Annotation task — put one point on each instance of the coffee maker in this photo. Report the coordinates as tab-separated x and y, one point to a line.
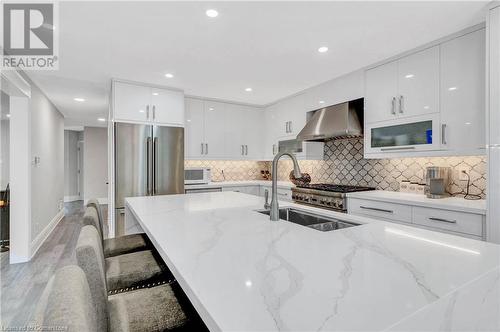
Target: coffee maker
436	182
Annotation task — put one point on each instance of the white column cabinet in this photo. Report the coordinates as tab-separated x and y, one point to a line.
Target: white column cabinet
462	92
381	92
145	104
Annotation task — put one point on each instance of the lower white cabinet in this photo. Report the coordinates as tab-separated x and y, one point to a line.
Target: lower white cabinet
251	190
464	224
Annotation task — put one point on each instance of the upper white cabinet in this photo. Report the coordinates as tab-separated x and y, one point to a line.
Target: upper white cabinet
217	130
145	104
403	88
428	103
463	92
290	116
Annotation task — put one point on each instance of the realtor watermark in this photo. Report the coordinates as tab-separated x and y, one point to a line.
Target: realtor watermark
29	35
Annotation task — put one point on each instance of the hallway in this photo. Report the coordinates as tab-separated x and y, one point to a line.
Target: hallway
22	284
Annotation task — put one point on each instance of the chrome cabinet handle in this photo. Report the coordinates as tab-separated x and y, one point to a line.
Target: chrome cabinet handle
155	166
242	149
274	148
398	148
401	104
290	126
443	134
206	148
443	220
246	150
393	106
202	151
147	112
154	112
376	209
286	127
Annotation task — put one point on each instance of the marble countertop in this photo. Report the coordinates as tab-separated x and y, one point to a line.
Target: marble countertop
450	203
281	184
243	272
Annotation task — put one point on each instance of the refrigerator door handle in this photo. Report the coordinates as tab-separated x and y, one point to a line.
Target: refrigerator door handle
148	166
155	166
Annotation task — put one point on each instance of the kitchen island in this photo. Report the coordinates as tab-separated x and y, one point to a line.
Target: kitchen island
243	272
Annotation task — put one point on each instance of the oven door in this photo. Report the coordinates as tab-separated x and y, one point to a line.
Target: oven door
421	133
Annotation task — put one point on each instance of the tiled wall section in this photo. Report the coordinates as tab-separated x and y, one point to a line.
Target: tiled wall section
233	170
344	164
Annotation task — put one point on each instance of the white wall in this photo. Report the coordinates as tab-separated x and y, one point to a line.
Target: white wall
95	163
70	165
47	143
4	142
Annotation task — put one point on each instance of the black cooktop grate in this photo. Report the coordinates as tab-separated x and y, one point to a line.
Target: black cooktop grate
335	187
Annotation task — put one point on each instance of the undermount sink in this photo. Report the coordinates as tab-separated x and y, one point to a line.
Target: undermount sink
312	220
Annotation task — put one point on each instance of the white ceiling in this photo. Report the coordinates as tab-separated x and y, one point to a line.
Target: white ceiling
269	46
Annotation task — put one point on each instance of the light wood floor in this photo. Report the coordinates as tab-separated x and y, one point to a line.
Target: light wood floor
22	284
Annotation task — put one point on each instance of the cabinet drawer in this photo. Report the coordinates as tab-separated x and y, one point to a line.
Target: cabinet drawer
460	222
379	210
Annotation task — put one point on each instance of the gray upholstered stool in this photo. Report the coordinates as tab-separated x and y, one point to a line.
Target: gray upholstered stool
118	245
119	272
70	304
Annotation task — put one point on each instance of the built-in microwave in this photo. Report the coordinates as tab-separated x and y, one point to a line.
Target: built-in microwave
420	133
197	175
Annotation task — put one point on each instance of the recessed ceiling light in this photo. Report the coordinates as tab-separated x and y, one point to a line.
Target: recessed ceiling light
452	88
168	75
323	49
101	119
467	123
155	93
410	76
7	115
210	108
79	99
141	111
248	89
321	101
212	13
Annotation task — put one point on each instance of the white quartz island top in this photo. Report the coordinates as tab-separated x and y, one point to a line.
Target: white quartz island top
243	272
449	203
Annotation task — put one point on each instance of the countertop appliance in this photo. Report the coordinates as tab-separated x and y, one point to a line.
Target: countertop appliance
197	175
325	195
334	122
149	160
436	181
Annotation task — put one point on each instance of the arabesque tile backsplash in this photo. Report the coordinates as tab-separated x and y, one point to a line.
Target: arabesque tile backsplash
343	163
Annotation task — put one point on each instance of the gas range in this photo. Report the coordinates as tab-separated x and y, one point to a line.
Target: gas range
325	195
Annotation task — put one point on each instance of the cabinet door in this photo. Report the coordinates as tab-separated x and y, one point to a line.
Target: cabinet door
131	102
296	114
381	91
252	139
167	107
462	92
214	129
418	83
236	124
194	129
271	138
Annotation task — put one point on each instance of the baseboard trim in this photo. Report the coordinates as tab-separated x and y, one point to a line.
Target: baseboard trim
40	239
71	199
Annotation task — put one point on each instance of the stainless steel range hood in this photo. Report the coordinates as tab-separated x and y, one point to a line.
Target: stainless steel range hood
334	122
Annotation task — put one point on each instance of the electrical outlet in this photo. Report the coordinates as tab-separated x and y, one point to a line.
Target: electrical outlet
462	173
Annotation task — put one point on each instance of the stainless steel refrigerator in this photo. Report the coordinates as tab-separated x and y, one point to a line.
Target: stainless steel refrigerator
149	160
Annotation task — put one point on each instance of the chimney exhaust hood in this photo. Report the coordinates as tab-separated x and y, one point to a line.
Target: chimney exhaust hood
335	122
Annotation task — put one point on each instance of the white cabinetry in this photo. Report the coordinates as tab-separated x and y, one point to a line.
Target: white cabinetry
403	88
462	93
443	220
251	190
429	103
290	116
145	104
221	131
